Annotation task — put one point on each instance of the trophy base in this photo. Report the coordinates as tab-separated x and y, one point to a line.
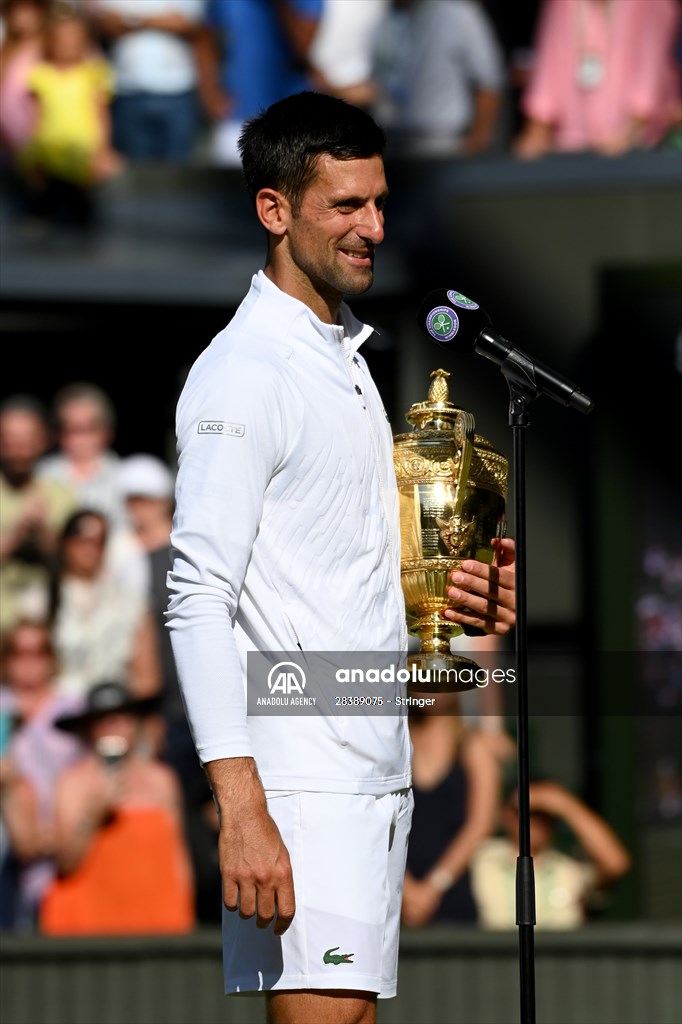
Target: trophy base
441	673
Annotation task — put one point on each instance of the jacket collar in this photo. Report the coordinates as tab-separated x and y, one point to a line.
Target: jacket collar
349	332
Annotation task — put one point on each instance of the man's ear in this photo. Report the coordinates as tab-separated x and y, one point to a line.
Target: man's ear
274	210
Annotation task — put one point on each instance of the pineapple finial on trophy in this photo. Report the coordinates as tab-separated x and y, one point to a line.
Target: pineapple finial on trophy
438	390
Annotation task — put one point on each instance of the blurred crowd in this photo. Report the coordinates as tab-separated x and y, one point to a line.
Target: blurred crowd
90	87
99	778
107	822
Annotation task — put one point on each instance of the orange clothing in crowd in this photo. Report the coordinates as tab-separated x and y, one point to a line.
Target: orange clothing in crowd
133	880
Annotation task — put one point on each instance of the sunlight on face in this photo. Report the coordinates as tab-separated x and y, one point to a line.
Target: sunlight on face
332	240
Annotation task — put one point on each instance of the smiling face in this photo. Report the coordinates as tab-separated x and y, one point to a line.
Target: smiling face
326	249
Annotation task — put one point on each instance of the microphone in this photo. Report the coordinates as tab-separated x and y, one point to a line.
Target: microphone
460	324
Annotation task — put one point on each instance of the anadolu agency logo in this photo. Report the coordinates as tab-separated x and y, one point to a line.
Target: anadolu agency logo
286	685
442	323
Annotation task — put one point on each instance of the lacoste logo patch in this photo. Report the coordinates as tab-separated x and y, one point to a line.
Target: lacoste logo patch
332	957
221	427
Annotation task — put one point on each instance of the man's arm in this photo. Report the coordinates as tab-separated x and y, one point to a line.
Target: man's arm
216	102
481	134
596	837
220	488
299	23
254	862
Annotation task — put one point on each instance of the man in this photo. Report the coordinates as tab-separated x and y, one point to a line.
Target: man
85	459
32	511
153	46
286	537
254	53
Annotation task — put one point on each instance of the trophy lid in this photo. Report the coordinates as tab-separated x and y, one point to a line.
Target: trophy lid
437	412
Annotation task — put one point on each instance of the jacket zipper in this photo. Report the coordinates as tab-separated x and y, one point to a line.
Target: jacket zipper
388	519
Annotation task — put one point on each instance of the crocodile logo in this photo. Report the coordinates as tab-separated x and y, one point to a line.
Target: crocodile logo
332	957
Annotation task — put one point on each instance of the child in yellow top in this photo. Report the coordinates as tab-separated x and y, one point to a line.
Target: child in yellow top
72	87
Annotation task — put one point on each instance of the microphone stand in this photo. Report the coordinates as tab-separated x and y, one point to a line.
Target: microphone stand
521	396
519	373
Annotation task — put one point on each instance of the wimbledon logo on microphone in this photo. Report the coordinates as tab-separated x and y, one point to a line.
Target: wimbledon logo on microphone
442	323
461	300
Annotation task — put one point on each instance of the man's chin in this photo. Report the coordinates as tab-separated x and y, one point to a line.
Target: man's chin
357	284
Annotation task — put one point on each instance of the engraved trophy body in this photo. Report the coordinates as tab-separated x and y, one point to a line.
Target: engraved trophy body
452	487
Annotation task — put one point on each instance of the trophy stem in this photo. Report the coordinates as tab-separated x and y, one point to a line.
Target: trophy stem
434	669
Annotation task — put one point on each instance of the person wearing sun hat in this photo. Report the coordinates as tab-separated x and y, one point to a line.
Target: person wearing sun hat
103	700
124	867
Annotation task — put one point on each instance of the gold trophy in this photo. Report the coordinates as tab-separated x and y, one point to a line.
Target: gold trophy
452	487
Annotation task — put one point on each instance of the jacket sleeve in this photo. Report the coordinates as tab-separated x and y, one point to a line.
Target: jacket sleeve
231	435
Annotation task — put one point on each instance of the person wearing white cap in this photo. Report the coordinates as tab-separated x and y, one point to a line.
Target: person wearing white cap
148	484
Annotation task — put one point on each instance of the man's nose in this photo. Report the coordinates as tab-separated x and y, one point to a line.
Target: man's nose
372	226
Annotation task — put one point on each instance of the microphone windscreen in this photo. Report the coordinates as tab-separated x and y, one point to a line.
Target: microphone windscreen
452	319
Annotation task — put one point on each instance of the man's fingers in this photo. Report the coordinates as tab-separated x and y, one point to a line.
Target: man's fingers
480	575
492	623
286	906
230	895
268	900
266	907
247	900
505	551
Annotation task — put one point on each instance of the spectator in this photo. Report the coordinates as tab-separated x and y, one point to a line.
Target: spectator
9	883
70	150
440	70
564	885
123	864
456	782
85	421
32	511
148	485
101	630
152	45
23	24
515	26
341	54
260	53
604	77
36	753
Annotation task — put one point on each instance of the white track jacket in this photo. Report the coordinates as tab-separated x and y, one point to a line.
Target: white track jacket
286	536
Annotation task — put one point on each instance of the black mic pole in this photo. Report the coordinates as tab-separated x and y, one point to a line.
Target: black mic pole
526	380
525	881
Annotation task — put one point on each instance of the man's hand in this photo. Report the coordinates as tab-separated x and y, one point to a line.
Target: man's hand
420	902
254	862
485	594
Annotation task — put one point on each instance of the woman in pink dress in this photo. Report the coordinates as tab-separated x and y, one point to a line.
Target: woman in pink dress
604	77
23	23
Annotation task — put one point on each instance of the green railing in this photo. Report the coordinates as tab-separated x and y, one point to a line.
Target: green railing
626	974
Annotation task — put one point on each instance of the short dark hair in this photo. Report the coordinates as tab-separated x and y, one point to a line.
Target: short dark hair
280	146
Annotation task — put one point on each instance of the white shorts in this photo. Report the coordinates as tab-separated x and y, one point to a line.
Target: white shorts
348	857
